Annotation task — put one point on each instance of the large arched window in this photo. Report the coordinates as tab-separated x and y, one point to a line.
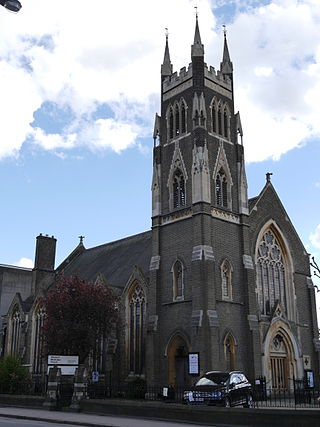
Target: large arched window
137	308
179	195
178	281
38	321
226	280
15	332
221	189
271	278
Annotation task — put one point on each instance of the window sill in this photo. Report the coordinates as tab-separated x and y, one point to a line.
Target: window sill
230	301
177	302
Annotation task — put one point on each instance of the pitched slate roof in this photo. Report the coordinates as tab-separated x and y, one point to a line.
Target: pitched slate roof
114	260
252	202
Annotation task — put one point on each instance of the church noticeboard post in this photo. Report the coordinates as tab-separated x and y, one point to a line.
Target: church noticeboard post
193	364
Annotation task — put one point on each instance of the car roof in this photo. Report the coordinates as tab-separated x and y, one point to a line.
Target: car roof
224	372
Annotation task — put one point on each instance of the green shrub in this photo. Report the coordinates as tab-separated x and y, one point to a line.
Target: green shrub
13	376
137	388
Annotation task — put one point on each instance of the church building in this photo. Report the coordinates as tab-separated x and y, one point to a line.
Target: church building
219	275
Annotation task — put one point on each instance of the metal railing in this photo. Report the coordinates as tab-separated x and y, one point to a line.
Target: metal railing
29	387
263	397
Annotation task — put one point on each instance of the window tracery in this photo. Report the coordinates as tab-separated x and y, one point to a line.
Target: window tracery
221	189
15	332
38	339
179	196
271	278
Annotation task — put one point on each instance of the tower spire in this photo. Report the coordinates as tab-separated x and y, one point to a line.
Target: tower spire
226	65
166	67
197	48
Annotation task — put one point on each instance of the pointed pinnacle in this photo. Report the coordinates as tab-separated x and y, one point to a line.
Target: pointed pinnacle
197	48
166	67
226	65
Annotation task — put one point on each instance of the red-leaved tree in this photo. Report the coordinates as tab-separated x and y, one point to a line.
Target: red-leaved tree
78	315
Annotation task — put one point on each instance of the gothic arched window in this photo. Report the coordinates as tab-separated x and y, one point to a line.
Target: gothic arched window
171	123
221	189
226	123
271	279
226	280
15	332
179	195
137	308
177	278
177	120
183	118
214	117
219	127
38	321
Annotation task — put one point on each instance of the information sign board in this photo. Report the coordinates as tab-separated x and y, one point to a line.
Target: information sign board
193	364
63	360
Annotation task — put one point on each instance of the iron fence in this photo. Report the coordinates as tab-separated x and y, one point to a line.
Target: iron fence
263	397
293	398
30	387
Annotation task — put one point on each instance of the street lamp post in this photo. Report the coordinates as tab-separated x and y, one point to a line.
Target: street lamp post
12	5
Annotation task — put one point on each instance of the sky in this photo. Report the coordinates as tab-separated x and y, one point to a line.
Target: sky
79	89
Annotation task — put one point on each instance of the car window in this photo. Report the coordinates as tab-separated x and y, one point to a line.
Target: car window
242	378
213	379
235	379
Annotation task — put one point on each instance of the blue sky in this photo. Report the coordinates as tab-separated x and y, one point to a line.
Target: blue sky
79	91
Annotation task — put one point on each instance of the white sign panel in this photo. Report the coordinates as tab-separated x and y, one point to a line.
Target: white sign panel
63	360
194	368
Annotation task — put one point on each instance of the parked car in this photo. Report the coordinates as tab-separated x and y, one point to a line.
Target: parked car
221	388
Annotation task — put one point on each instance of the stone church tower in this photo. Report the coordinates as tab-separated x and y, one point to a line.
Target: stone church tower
199	220
225	271
219	275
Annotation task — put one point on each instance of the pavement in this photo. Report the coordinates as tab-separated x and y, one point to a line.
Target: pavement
90	420
81	419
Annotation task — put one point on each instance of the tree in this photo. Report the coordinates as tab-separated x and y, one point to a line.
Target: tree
316	271
78	315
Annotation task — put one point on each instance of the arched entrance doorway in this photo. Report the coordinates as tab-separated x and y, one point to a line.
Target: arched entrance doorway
281	362
177	353
282	359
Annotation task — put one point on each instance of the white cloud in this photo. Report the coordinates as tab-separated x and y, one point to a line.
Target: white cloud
315	237
81	58
109	133
25	262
